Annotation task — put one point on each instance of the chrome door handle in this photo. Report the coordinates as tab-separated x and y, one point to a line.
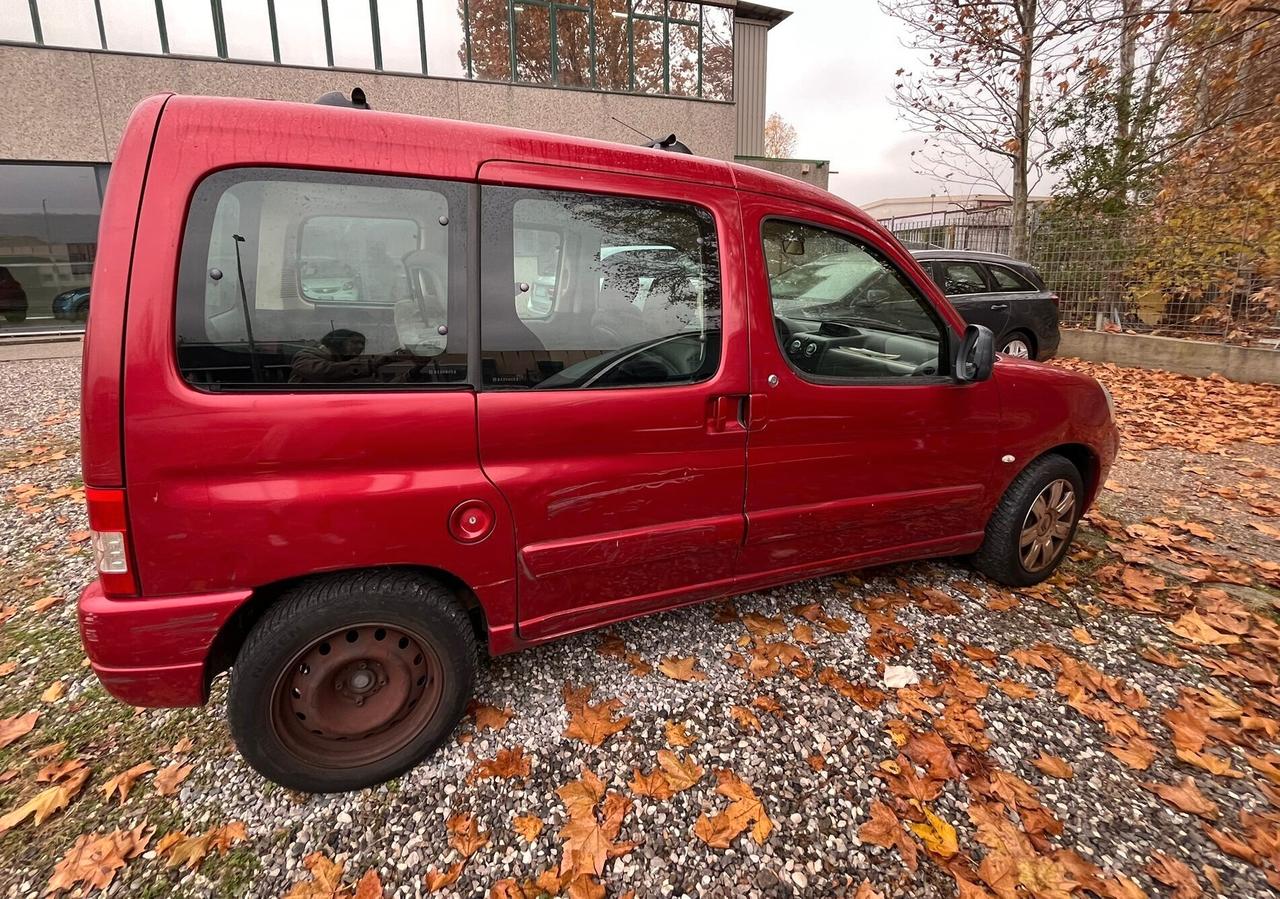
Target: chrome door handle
999	306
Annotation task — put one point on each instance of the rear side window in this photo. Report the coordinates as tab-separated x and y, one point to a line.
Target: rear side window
591	291
958	278
301	281
1007	280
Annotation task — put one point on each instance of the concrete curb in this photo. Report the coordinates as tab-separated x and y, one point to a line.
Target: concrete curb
1188	357
51	349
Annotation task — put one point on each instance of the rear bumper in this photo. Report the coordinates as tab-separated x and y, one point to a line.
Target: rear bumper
153	652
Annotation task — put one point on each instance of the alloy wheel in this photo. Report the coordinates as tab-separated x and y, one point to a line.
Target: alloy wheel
1047	526
1018	348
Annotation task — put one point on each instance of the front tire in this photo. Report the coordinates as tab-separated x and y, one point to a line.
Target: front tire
15	318
1033	526
348	681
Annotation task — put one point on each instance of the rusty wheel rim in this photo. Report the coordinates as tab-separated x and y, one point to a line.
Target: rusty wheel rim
356	695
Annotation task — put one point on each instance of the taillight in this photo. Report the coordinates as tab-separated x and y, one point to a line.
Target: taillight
109	527
1057	300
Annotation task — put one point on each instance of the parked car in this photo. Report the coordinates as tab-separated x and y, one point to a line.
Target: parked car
13	299
1005	295
72	305
346	525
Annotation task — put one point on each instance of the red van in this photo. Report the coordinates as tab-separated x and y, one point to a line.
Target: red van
366	394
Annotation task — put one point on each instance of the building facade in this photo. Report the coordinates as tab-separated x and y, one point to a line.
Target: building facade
608	69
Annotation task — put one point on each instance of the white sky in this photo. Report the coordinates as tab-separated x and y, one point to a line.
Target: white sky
831	75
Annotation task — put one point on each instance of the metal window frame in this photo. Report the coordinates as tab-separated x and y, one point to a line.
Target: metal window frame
553	8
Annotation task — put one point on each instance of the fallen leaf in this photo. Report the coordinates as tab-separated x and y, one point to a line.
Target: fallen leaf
46	804
186	744
1193	627
1174	873
938	836
1015	689
592	724
885	830
168	780
507	764
681	669
1232	845
1054	766
435	880
123	782
95	858
1185	796
1083	636
43	605
681	774
745	718
528	826
53	692
678	735
491	718
465	835
898	676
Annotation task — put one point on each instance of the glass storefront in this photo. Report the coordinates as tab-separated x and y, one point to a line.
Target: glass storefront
48	242
637	46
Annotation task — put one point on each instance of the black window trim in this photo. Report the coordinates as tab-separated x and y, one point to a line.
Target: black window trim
475	366
194	246
948	342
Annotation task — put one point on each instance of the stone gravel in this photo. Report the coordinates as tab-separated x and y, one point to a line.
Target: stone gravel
398	829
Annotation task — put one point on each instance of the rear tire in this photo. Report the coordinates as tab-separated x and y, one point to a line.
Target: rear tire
1031	529
348	681
14	318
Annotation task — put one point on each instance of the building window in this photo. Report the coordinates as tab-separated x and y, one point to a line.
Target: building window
48	242
675	47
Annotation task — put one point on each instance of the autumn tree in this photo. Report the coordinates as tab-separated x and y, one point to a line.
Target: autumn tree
996	73
780	137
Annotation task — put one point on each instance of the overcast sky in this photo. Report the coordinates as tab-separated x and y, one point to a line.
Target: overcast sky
831	71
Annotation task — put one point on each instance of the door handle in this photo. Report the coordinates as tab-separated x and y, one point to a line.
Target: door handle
999	306
725	413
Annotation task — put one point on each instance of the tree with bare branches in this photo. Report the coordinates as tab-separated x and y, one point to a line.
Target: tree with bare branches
987	100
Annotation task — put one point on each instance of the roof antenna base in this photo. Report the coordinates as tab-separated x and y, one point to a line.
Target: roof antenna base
338	98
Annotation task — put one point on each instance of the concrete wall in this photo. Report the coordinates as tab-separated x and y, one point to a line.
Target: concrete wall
71	105
1189	357
811	171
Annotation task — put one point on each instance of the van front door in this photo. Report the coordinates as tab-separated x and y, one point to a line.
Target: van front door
614	361
862	449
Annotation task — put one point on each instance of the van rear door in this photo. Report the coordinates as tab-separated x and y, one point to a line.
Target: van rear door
614	361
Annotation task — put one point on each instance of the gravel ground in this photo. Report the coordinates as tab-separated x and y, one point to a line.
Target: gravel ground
814	764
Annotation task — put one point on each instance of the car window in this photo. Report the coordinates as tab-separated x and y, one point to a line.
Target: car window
621	292
1007	280
310	280
959	278
843	310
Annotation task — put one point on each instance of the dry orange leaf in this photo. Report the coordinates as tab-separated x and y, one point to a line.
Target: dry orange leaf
1174	873
528	826
681	774
490	717
43	605
1185	796
885	830
95	858
1054	766
326	882
186	744
465	835
46	804
938	836
436	880
1207	761
744	810
53	692
682	669
1083	636
123	782
1015	689
746	718
507	764
1193	627
678	735
592	724
169	779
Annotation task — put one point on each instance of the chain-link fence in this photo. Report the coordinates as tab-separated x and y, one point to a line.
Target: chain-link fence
1128	273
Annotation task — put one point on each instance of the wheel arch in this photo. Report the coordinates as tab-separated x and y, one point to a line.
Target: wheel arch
226	645
1026	334
1086	462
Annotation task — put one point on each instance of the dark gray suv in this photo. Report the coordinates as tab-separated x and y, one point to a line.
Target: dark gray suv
1006	295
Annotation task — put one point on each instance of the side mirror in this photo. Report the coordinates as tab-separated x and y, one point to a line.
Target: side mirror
976	355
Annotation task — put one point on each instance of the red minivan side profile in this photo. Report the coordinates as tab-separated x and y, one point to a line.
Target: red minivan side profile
367	394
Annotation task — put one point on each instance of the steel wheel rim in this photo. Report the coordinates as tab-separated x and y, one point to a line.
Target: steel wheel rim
1048	524
1018	348
356	695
